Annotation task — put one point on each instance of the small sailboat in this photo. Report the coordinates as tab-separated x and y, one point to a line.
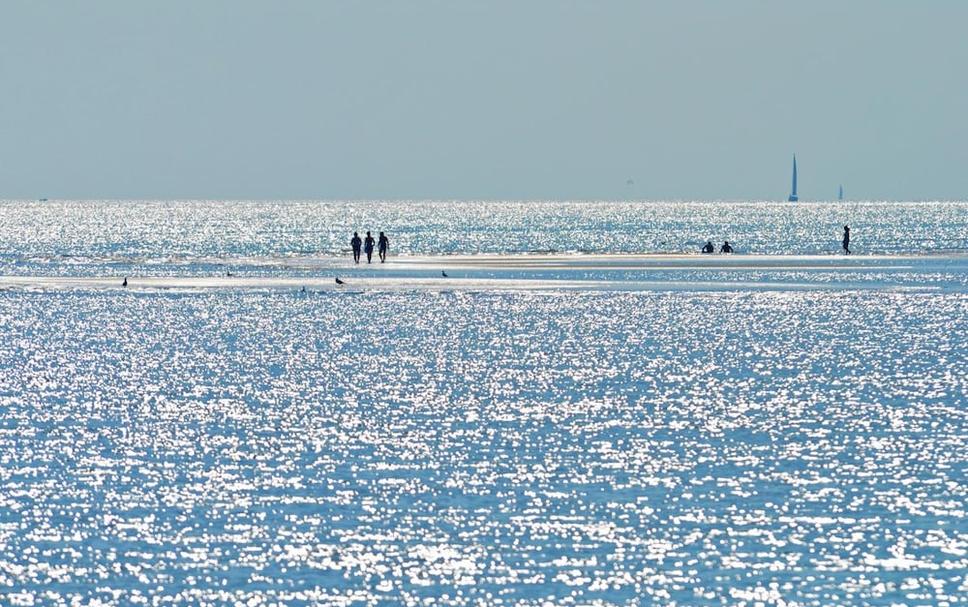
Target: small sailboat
793	192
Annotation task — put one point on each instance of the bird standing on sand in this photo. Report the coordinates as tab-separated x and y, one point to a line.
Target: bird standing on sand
125	283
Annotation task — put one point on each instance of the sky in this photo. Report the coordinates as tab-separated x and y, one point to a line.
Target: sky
517	99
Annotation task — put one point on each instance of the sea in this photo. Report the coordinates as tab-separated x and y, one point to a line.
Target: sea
584	411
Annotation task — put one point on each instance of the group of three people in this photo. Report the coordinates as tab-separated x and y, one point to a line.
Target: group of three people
709	248
366	244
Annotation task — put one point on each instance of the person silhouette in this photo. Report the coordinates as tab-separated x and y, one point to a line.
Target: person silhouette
384	245
726	248
846	241
368	247
709	248
355	242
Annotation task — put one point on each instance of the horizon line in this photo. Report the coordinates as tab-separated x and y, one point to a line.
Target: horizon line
467	199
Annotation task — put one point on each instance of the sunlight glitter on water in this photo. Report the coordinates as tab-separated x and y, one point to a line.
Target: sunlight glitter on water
483	448
72	235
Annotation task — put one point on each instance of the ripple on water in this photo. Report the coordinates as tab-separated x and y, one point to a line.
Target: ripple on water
103	236
457	448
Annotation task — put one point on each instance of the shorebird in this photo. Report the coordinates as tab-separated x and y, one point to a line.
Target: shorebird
444	274
229	274
338	281
125	283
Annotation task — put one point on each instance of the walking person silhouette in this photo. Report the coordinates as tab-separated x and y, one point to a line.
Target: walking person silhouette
368	247
355	242
846	241
384	246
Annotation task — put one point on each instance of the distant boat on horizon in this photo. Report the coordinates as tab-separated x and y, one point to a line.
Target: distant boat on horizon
840	194
793	192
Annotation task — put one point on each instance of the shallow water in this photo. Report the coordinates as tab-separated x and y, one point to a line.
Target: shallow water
483	448
78	237
770	428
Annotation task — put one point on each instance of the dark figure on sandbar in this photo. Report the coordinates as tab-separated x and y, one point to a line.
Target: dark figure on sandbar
726	248
368	247
846	242
709	248
384	245
356	243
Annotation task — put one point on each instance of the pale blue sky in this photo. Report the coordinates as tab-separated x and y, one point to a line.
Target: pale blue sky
483	99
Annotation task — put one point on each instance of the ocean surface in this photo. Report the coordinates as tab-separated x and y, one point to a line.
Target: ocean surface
68	237
784	427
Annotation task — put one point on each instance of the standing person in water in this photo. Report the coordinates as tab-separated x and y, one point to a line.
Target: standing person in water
356	243
726	248
846	242
709	248
368	247
384	245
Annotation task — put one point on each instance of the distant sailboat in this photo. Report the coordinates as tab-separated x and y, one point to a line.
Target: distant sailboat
793	194
840	194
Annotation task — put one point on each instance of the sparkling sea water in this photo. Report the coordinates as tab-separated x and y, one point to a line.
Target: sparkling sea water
59	236
802	442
